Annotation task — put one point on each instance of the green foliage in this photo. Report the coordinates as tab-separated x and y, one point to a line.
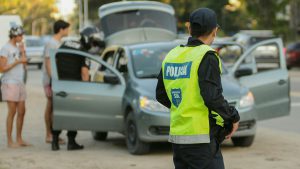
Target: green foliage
40	11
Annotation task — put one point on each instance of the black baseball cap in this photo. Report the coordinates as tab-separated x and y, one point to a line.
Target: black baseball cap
203	20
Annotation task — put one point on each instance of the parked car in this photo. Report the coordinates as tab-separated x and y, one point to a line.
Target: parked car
34	50
248	38
121	94
293	55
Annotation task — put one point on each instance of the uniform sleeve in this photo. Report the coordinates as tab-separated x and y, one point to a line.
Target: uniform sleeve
161	94
211	89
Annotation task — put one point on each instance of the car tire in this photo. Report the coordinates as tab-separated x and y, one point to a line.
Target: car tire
134	144
243	141
289	67
99	136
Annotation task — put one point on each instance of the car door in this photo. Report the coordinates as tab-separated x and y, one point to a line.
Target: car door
91	105
269	82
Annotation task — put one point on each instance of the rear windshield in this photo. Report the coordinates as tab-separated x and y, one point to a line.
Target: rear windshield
137	19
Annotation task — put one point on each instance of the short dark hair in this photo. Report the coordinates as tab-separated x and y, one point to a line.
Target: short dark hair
198	30
60	24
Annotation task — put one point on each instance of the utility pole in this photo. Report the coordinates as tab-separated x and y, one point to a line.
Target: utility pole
86	13
80	14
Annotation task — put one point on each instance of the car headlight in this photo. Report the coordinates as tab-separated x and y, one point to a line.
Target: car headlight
152	105
247	101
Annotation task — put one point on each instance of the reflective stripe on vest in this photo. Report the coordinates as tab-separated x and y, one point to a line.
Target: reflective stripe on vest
189	116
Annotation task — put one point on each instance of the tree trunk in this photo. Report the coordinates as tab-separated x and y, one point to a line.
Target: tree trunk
295	15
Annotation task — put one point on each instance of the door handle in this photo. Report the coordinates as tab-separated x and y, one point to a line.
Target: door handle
281	82
62	94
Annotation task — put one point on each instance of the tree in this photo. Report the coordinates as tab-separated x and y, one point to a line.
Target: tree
294	21
37	13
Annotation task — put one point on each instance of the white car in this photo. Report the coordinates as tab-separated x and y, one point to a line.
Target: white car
34	50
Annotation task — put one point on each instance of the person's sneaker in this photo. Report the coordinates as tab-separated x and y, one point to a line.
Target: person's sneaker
75	146
55	146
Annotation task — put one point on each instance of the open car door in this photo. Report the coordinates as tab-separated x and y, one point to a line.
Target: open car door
269	81
87	105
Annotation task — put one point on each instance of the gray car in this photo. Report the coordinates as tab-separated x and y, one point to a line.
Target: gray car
120	97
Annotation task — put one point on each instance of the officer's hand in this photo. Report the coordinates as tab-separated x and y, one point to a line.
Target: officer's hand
235	126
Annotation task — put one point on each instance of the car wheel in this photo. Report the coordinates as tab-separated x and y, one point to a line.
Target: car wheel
243	141
134	144
40	66
99	136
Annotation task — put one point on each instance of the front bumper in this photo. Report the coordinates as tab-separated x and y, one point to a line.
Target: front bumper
155	126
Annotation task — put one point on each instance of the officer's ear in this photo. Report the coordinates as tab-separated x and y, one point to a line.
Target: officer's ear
188	27
215	31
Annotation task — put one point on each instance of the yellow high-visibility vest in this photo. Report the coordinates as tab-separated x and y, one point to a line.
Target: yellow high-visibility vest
189	123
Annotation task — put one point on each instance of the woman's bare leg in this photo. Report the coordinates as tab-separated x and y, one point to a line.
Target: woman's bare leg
12	109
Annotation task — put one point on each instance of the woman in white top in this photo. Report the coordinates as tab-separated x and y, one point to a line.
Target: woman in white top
12	65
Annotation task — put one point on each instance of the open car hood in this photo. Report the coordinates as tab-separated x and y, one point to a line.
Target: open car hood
130	22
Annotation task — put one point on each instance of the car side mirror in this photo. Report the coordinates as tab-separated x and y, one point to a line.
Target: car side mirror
243	72
111	79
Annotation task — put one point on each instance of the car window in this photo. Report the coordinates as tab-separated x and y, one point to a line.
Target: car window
267	57
241	39
122	62
34	43
74	67
229	53
294	46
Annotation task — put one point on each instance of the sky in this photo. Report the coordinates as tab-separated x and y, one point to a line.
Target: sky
66	7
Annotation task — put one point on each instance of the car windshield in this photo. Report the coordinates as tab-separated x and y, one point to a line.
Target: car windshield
137	19
147	60
34	43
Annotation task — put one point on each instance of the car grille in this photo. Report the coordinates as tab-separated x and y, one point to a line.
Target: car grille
245	125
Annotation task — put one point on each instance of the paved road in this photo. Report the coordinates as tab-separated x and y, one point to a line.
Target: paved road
289	123
276	145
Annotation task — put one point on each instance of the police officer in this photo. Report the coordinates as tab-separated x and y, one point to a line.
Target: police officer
190	85
71	67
